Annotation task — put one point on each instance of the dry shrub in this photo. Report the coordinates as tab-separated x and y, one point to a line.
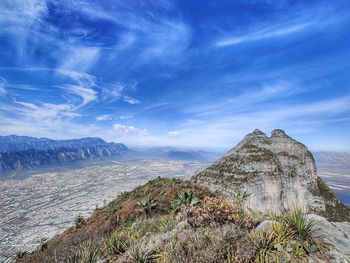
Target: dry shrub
215	211
207	245
129	209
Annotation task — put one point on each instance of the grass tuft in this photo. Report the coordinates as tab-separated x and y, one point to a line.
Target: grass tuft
301	223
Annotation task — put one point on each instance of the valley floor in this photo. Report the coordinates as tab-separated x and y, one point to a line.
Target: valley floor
46	203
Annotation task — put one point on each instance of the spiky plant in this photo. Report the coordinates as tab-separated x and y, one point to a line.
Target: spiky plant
301	223
184	198
89	255
240	197
138	253
147	205
114	245
267	241
79	221
166	224
21	254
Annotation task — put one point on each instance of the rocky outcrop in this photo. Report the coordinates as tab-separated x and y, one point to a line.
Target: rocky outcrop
277	173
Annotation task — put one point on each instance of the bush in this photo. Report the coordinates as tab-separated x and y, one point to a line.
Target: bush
88	255
21	254
147	204
216	211
185	198
240	197
299	221
270	241
166	224
138	253
79	221
114	245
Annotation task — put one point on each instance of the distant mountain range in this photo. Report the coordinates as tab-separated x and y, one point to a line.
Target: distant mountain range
333	160
22	152
174	153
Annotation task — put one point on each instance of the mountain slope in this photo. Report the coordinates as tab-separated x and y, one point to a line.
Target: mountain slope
172	221
276	172
20	153
14	143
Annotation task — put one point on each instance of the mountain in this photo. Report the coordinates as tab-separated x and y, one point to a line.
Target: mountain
13	143
174	153
277	173
21	152
210	219
333	160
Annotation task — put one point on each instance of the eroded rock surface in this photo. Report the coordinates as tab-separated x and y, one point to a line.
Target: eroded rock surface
277	172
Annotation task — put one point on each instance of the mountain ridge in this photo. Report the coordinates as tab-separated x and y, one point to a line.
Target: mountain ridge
23	152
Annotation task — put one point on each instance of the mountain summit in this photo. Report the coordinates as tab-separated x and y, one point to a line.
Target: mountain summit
277	172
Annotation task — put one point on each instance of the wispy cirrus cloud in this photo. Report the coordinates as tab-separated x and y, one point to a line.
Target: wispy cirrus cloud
131	100
299	22
260	34
2	86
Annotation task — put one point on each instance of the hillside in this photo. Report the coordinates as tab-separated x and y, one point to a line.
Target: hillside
171	220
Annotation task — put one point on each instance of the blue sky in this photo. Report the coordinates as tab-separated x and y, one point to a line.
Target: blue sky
183	73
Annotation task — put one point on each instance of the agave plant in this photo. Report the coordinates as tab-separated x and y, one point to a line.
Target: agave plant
241	197
79	221
114	245
140	254
302	224
185	198
147	204
89	255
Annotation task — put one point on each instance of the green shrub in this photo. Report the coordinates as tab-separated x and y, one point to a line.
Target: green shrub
271	240
240	197
185	198
138	253
147	204
21	254
114	245
166	224
89	255
79	221
299	221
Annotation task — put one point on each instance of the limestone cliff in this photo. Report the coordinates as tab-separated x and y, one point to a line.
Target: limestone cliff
276	172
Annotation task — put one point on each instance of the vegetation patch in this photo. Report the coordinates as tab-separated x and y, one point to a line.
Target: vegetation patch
170	220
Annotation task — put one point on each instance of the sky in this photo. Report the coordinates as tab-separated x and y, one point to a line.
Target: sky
183	73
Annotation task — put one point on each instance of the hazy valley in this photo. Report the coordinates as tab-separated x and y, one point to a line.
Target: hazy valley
46	203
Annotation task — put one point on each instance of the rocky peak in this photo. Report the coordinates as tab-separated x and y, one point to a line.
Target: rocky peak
258	132
277	172
279	133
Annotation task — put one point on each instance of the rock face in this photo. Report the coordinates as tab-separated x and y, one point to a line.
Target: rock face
28	152
277	172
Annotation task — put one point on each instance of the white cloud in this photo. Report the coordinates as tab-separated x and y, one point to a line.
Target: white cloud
104	117
80	59
112	92
2	86
87	94
128	131
125	117
131	100
174	133
84	87
291	24
275	31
